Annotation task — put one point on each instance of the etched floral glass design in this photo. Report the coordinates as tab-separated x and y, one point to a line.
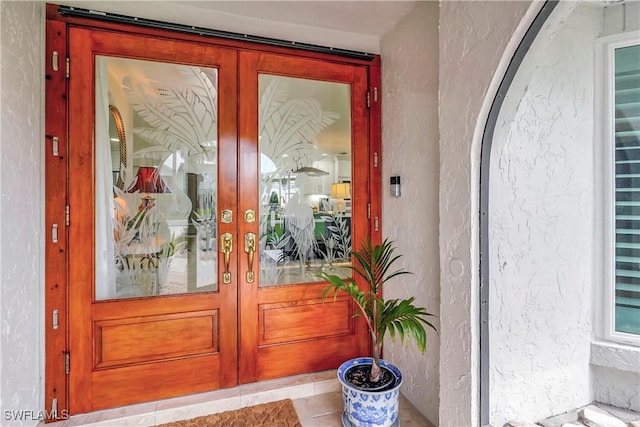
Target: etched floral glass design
156	189
305	158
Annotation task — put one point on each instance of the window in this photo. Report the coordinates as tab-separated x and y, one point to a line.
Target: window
620	185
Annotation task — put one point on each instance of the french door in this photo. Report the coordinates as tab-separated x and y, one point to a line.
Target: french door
207	187
294	158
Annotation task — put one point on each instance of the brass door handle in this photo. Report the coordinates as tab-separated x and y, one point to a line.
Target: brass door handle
250	248
226	247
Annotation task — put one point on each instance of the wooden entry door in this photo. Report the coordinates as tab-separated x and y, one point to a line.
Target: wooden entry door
152	159
206	186
304	123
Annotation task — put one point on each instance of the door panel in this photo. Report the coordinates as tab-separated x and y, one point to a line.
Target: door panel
276	326
118	387
288	120
152	338
152	313
312	356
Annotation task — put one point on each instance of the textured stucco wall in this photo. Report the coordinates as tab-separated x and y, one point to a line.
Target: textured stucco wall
616	387
615	374
473	39
477	40
621	17
410	149
21	196
540	219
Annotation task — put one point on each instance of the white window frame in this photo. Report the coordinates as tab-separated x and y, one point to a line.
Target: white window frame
605	188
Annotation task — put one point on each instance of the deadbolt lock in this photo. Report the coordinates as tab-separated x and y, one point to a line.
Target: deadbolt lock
226	216
249	215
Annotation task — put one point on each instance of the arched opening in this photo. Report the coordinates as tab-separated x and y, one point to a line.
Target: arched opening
540	288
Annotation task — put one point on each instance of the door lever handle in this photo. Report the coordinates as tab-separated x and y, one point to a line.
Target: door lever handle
250	248
226	247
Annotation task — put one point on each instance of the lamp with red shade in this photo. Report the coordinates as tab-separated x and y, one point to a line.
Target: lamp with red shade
148	181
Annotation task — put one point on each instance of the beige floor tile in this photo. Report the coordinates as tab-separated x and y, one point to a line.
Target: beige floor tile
317	399
277	384
74	421
273	395
311	409
329	403
332	420
195	399
304	415
325	376
136	420
325	410
410	416
330	386
131	413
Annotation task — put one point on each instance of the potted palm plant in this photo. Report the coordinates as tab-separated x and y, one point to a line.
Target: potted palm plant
370	385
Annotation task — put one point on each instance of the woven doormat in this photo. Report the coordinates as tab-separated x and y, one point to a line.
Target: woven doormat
274	414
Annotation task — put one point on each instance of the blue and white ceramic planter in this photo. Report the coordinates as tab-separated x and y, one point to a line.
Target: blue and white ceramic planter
369	408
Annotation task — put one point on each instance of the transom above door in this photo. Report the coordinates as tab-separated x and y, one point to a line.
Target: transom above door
207	186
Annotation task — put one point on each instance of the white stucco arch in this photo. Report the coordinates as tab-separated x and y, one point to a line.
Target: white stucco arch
540	224
543	281
477	42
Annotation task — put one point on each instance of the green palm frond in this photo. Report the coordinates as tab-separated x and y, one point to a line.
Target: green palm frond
375	262
399	318
339	284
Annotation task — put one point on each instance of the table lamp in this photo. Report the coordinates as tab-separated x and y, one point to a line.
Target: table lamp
148	181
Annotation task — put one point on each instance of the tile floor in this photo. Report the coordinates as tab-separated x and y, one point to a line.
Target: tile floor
325	410
316	397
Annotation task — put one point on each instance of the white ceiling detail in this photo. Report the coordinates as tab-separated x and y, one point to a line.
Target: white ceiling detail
354	25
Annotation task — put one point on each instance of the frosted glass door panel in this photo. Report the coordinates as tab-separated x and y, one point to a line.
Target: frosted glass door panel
305	179
156	178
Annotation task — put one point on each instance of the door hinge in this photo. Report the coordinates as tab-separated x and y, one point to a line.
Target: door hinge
375	160
54	319
54	60
55	146
375	94
368	210
376	224
67	363
67	68
368	99
54	233
67	215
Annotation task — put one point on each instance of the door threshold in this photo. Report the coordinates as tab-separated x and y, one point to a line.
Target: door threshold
196	405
